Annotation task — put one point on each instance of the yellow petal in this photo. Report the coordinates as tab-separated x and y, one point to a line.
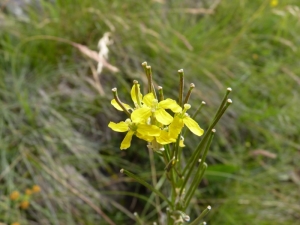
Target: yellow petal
175	127
119	127
140	115
193	126
163	117
170	104
164	138
133	94
148	99
149	130
144	137
181	144
127	140
116	105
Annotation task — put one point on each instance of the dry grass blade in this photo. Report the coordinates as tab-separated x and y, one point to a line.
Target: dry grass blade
94	55
263	152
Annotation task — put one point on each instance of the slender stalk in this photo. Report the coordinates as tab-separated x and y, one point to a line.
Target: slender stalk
149	74
181	86
201	145
225	99
199	109
217	117
144	64
154	179
170	164
141	181
116	97
137	218
177	147
200	171
194	185
201	216
212	134
187	97
160	93
172	179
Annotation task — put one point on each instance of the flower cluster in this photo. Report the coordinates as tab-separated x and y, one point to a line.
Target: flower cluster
149	119
23	200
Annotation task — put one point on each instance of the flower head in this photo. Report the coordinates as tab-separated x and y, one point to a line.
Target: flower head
143	131
28	191
274	3
15	223
152	106
36	188
14	195
182	119
24	204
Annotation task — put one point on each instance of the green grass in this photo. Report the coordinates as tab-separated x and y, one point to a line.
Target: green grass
54	122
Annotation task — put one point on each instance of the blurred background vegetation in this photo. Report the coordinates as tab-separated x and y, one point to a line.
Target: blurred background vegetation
53	118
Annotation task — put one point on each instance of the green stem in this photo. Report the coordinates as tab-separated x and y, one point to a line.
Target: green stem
225	99
194	185
194	158
198	110
154	179
200	171
144	64
217	116
138	179
116	97
187	97
181	86
150	79
160	93
202	215
172	179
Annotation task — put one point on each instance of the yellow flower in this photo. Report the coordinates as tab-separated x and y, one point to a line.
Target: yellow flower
28	191
164	138
36	188
274	3
151	105
182	119
142	131
14	195
24	204
135	98
15	223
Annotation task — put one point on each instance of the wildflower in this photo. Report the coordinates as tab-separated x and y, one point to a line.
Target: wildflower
14	195
182	119
36	188
151	105
24	204
15	223
28	191
143	131
274	3
136	97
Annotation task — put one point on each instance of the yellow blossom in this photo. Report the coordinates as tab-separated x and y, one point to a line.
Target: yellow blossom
15	223
152	106
135	98
24	204
274	3
36	188
143	131
182	119
14	195
28	191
